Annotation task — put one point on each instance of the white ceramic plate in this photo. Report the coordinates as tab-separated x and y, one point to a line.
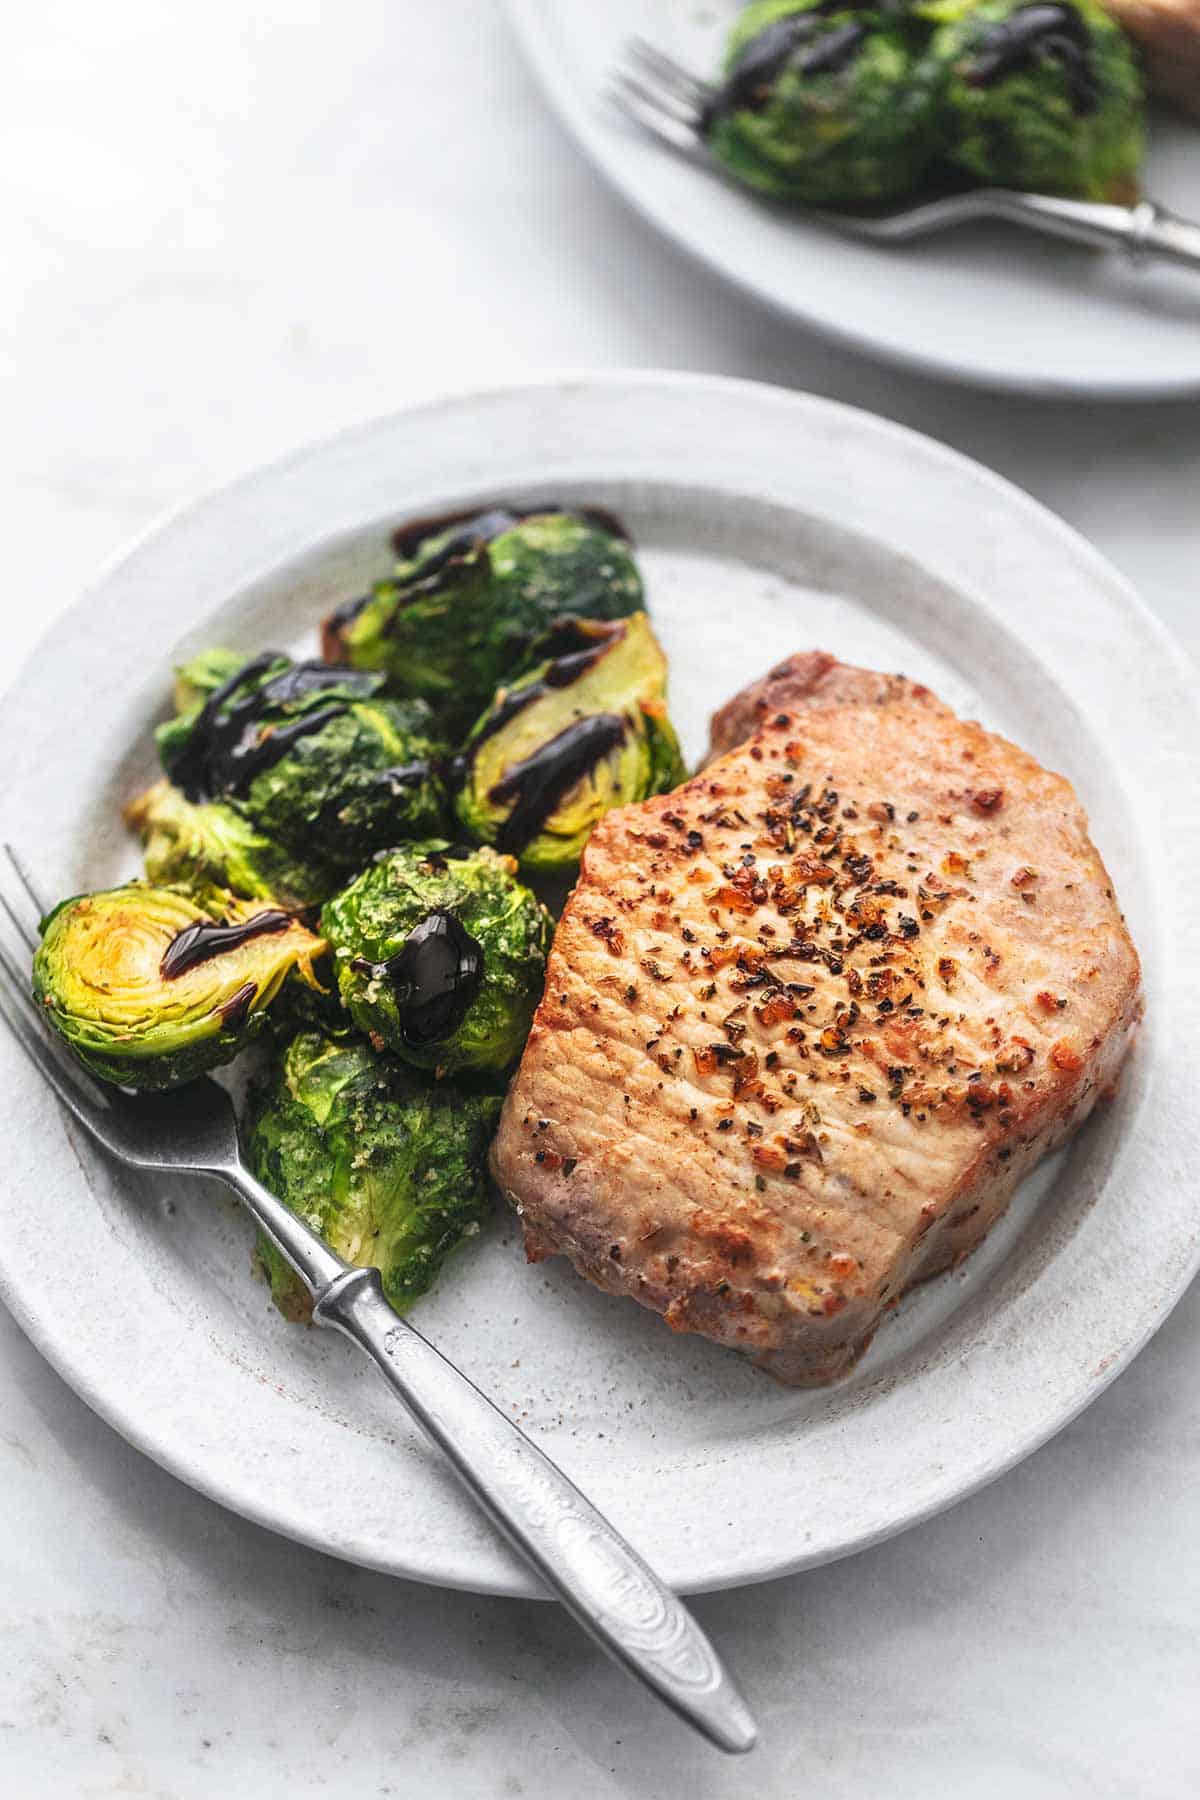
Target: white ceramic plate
988	304
767	522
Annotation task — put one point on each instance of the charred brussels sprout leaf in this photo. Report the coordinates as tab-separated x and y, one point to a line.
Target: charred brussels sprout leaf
1044	96
385	1164
211	844
827	104
585	731
440	955
151	986
312	755
472	594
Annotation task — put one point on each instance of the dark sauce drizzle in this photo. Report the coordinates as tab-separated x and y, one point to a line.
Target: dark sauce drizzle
535	786
470	532
567	664
236	1010
436	974
200	942
477	526
405	774
439	860
1033	34
747	87
833	51
225	748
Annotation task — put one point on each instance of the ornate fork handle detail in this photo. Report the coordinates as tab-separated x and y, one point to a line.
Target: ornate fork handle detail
599	1578
1145	231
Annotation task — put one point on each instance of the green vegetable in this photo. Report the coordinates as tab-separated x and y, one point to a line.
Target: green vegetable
305	1007
440	955
387	1166
583	732
828	105
213	844
471	596
1041	96
201	675
314	757
151	986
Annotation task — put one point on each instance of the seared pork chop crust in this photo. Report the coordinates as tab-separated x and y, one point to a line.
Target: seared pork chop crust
811	678
810	1018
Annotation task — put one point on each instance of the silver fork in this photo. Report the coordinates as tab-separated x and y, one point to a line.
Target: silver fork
662	97
600	1579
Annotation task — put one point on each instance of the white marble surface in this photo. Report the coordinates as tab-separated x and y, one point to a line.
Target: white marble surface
227	229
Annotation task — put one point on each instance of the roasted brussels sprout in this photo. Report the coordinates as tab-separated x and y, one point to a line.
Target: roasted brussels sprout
210	843
440	955
151	986
387	1165
1044	96
313	756
201	675
583	732
471	595
824	102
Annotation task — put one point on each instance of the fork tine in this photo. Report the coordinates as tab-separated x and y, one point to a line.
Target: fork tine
28	928
647	58
78	1092
18	924
638	104
664	99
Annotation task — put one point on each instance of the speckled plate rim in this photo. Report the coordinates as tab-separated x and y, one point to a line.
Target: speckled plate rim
998	1394
588	130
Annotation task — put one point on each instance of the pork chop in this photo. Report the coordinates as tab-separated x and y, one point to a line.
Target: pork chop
809	1019
1167	33
812	678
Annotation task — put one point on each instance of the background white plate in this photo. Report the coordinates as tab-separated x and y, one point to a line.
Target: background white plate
987	304
768	522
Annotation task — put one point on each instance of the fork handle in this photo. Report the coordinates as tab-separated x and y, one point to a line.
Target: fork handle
1167	235
599	1578
1145	231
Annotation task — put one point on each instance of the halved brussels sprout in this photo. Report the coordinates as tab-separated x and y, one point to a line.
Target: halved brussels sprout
151	986
584	732
312	755
440	955
471	595
211	844
388	1166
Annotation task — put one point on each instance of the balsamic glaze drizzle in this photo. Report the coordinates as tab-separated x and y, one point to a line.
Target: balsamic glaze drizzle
564	668
536	785
833	51
747	87
436	974
236	1010
470	532
479	525
1032	34
403	774
200	942
228	746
